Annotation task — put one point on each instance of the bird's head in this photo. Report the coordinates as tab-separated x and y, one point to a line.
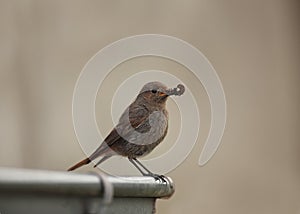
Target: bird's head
157	93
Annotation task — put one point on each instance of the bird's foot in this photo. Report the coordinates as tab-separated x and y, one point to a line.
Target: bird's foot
157	177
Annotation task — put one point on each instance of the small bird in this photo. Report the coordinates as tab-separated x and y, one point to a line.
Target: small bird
142	126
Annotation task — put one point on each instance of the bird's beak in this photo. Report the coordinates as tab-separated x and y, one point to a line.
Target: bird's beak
162	94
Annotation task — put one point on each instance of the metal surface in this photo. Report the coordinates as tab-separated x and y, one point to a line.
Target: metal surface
77	184
38	191
27	204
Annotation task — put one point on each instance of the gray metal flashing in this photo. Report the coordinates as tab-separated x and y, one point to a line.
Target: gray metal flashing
70	192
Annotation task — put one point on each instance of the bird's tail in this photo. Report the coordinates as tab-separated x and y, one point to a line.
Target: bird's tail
81	163
101	150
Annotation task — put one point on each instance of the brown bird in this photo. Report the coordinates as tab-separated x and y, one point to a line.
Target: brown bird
142	126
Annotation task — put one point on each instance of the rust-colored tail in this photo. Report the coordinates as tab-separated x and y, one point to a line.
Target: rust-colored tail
81	163
100	151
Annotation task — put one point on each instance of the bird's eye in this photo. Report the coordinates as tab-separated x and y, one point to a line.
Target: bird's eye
154	91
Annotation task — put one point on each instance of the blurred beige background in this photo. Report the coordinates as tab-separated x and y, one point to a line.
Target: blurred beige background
254	47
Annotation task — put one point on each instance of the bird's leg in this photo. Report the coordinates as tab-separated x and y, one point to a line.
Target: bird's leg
136	162
136	166
139	163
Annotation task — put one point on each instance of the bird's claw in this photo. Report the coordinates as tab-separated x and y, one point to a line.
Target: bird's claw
161	178
157	177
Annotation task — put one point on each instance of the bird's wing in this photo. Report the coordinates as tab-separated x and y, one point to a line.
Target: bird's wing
138	117
106	144
134	118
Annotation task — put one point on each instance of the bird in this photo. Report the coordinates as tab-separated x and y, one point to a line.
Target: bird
142	127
